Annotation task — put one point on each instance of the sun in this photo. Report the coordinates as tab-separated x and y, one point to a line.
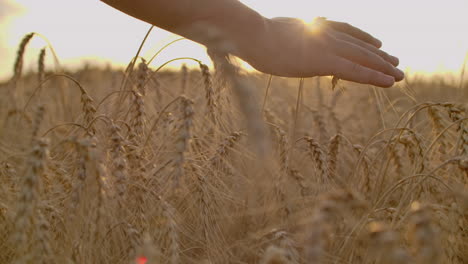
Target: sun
314	26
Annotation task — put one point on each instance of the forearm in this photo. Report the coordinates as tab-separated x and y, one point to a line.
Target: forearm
237	22
282	46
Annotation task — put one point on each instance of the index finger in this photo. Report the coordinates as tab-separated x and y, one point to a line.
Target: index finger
355	32
351	71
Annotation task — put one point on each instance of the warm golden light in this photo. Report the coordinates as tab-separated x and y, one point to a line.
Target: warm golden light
316	25
91	31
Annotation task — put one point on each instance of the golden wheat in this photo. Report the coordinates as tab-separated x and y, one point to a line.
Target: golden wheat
86	179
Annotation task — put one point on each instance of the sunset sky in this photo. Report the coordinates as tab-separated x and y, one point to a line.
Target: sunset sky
426	35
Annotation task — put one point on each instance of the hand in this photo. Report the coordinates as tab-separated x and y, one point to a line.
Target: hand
291	48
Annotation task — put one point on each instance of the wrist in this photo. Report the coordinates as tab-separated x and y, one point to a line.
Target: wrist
249	36
237	25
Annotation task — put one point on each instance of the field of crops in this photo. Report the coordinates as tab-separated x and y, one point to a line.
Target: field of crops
201	165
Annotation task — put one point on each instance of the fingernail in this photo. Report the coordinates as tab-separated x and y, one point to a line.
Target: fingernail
395	60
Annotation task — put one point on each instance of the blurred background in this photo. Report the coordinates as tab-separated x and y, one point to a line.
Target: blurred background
428	36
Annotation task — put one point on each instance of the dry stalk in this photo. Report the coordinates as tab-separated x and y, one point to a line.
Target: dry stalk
29	199
246	97
332	112
223	149
89	111
459	223
319	120
331	207
219	212
138	119
37	122
209	93
134	240
285	241
275	255
300	180
184	79
272	118
335	120
463	165
118	159
182	143
82	172
98	187
332	158
168	124
413	145
365	184
44	250
423	235
456	113
394	156
169	237
283	149
148	253
213	241
18	68
316	152
142	76
438	125
386	244
41	66
281	194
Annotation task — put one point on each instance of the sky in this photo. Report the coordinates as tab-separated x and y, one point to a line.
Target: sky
428	36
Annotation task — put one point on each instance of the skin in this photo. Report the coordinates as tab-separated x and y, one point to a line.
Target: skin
279	46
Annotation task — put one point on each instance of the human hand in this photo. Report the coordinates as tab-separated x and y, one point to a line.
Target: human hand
291	48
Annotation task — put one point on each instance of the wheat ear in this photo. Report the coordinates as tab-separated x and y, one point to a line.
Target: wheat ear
18	68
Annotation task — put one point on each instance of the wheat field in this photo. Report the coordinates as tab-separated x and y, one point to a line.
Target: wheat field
150	165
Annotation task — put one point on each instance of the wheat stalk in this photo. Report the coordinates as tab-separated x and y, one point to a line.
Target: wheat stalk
41	66
457	113
18	66
184	79
319	157
423	235
332	156
182	144
119	160
386	244
89	111
29	199
209	93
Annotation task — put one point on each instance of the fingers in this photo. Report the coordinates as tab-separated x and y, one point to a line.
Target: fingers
365	58
355	32
343	36
351	71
